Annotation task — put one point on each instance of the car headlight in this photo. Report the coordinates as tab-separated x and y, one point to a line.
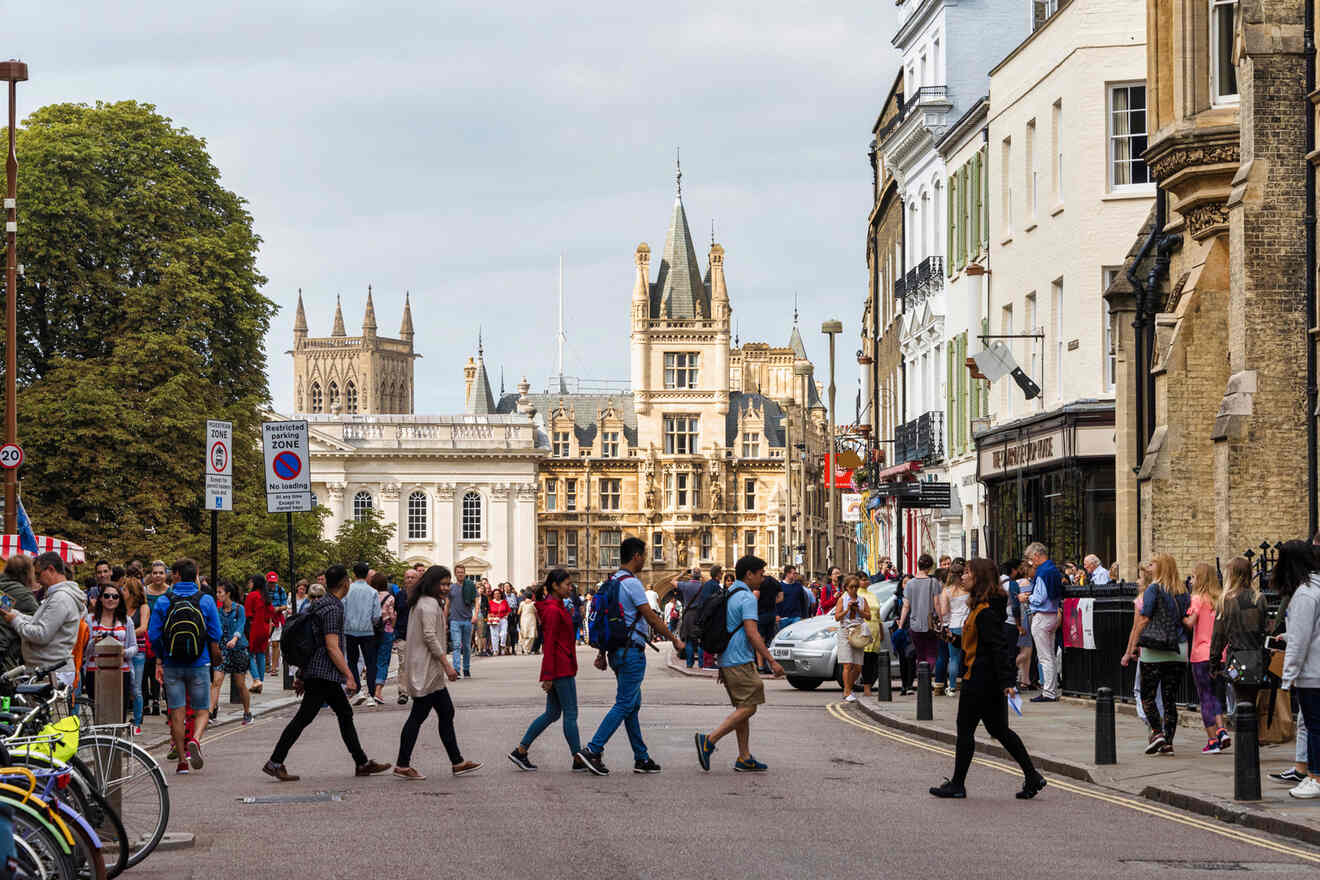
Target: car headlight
820	636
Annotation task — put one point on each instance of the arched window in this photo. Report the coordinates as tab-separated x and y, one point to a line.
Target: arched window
350	397
334	396
361	504
417	516
471	516
317	402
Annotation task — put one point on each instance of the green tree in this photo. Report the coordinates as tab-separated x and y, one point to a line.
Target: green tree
140	316
365	540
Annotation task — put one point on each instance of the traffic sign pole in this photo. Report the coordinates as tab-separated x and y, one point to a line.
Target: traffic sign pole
293	598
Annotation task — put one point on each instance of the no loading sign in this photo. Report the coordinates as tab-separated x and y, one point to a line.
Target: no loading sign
287	465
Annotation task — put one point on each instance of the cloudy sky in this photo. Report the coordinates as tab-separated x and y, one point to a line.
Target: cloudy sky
456	149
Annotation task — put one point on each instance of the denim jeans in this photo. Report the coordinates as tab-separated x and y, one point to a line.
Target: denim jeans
559	700
941	670
1308	700
139	662
460	641
629	665
383	657
955	659
257	665
691	652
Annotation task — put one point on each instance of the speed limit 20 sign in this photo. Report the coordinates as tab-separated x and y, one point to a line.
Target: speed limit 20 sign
11	456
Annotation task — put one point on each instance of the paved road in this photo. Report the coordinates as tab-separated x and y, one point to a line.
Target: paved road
842	799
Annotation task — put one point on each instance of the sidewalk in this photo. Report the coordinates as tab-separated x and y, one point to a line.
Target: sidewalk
1061	739
156	731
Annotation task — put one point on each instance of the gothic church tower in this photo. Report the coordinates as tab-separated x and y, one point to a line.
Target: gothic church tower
345	375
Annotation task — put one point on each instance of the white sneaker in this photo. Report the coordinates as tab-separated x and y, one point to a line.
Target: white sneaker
359	698
1308	788
851	698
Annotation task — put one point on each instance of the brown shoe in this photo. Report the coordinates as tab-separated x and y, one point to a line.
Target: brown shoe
466	767
272	769
409	773
371	768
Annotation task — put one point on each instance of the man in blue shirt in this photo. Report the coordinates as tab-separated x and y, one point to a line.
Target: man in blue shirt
186	679
1046	595
738	668
361	612
793	603
629	664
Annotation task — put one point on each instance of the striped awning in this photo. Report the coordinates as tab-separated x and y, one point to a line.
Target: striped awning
69	551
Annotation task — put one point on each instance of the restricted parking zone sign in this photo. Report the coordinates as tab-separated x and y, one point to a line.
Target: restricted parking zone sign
288	478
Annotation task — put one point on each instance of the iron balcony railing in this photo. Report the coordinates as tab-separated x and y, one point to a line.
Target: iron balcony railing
921	439
922	280
907	104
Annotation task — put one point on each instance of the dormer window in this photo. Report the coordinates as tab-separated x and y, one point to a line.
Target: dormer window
609	444
751	444
560	446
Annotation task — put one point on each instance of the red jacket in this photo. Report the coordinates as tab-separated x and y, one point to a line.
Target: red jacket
558	648
259	615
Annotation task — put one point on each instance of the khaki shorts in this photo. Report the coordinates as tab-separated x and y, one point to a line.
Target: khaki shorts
744	686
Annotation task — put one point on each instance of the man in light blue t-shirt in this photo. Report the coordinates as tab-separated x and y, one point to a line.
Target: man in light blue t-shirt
629	664
738	671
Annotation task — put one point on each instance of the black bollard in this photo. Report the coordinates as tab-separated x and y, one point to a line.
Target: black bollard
884	688
1246	751
1106	742
925	711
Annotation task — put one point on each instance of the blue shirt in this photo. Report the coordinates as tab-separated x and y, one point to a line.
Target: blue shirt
632	595
155	627
361	609
741	607
231	624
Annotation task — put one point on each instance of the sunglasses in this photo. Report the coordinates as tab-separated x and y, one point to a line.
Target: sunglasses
110	596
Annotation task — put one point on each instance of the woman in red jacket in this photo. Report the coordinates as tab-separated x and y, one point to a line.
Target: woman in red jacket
259	613
558	669
498	618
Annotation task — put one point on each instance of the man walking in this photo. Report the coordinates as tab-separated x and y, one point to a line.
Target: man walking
793	604
325	680
738	671
921	596
767	601
629	664
462	615
688	590
1046	594
361	611
184	631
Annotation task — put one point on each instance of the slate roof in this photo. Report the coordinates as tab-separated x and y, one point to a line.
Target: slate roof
585	410
800	351
772	427
483	402
679	291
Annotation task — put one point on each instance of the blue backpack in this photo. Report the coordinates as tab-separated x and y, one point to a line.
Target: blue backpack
606	630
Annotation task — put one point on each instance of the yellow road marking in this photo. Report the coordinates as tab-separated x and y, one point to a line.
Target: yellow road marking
1141	806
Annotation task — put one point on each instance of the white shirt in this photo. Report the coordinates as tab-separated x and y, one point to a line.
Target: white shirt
653	599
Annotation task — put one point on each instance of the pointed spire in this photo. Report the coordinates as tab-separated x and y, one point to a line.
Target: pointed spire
480	401
678	175
369	316
712	232
682	293
338	329
300	317
406	328
481	349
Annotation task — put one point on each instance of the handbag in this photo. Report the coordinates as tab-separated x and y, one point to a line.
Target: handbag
1164	632
1274	709
858	637
1246	667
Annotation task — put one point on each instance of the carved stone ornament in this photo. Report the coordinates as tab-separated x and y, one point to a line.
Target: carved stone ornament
716	496
1183	154
389	491
1206	220
445	491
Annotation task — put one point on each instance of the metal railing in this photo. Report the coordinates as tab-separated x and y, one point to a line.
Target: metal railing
923	95
921	439
921	281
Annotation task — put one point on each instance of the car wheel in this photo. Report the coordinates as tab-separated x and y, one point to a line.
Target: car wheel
804	684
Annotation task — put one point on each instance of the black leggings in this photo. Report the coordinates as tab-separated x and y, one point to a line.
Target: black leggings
984	703
150	687
318	692
1162	678
439	702
366	647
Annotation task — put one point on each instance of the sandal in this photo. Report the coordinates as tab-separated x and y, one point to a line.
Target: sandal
408	773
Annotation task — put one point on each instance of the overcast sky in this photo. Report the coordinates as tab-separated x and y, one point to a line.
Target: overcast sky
457	150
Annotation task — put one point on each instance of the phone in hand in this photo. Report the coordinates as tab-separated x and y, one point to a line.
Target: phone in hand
1272	643
6	602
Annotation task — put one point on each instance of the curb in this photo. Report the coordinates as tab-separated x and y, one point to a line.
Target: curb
682	669
229	720
1204	805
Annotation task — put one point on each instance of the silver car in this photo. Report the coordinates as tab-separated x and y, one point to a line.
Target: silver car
809	649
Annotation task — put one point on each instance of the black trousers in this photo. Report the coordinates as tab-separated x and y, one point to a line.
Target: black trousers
150	687
982	702
870	668
318	692
443	707
366	647
766	627
1162	678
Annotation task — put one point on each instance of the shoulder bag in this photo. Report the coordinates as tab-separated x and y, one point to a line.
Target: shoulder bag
1163	631
1246	666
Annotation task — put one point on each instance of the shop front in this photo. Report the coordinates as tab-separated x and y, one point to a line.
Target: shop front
1050	478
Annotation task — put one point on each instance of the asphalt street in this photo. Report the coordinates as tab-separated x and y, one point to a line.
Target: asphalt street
842	799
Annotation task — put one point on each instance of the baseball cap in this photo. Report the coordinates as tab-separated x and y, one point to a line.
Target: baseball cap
272	577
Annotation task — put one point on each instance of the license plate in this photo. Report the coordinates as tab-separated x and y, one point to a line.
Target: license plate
780	653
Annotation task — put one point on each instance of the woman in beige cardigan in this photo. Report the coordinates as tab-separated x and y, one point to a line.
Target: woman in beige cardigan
427	668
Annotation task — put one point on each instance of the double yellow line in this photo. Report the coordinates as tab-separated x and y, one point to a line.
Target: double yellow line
839	711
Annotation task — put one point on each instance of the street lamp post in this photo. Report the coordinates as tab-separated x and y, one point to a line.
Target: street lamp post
831	329
14	72
802	369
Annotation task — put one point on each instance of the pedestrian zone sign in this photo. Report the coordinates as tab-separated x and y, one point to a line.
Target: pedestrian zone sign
288	478
219	467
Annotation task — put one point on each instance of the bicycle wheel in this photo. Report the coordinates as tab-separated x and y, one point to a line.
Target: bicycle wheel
88	856
41	853
136	789
106	822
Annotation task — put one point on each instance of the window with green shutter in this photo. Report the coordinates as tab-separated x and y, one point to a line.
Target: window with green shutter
964	377
983	200
951	351
975	207
953	226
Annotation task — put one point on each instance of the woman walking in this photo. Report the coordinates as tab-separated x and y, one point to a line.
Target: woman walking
1297	577
259	613
428	667
154	588
1241	623
233	649
1201	621
956	601
498	617
1158	631
388	618
135	604
851	613
108	618
558	670
527	617
987	681
1018	587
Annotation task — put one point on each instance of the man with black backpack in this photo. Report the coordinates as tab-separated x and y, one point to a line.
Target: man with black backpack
741	646
617	616
184	632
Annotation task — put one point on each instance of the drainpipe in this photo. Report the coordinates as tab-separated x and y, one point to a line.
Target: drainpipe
1312	503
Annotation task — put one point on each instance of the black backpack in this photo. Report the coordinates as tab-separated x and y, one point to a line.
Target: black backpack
715	633
184	634
300	638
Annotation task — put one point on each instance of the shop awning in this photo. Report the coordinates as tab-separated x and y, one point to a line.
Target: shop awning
899	470
69	551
